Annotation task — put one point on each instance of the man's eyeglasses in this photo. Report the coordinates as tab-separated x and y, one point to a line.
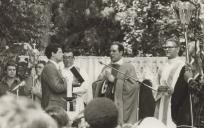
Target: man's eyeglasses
39	67
68	57
169	47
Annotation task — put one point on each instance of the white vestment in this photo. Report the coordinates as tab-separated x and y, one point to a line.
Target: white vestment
168	76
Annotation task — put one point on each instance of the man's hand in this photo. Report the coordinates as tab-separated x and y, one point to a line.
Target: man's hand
35	90
76	84
188	73
165	89
202	80
109	76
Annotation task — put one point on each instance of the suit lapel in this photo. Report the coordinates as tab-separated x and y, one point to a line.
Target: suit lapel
55	68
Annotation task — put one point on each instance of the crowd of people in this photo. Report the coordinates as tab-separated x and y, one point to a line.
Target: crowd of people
58	88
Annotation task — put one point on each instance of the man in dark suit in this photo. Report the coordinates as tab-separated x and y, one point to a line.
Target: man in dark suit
54	87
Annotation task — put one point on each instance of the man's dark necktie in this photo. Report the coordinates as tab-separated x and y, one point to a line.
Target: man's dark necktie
111	85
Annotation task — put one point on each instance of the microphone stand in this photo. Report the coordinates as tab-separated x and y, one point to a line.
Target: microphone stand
17	92
17	88
133	78
33	76
128	76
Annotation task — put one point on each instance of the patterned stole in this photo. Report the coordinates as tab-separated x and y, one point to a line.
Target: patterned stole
75	79
111	86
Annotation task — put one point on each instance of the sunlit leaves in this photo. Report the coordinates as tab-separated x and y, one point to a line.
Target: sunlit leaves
23	20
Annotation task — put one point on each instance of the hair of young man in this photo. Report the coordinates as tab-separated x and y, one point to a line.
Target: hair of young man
41	62
11	63
59	115
101	117
51	48
68	50
120	46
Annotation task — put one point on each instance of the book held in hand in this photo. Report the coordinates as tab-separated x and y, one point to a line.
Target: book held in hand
76	73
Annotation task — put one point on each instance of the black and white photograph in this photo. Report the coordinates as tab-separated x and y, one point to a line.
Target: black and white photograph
101	63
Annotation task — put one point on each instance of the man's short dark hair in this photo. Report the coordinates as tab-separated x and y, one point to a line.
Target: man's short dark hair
11	63
120	46
41	62
51	48
101	113
59	115
68	50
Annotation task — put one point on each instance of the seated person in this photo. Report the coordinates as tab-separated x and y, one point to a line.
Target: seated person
59	115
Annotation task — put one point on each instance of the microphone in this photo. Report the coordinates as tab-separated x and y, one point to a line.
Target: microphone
128	77
19	85
100	62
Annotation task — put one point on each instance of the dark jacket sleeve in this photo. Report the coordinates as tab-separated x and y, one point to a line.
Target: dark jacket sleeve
54	80
2	89
195	87
146	102
97	88
180	105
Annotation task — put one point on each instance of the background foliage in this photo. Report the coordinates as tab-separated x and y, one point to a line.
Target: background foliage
89	26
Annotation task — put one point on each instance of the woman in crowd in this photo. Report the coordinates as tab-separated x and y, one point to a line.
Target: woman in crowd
37	89
33	83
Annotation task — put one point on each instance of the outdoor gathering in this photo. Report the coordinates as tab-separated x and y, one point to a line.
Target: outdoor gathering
102	64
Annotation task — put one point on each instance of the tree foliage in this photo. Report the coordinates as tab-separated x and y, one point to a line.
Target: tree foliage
24	20
90	26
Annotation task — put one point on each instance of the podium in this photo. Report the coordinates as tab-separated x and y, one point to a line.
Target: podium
75	103
75	107
71	102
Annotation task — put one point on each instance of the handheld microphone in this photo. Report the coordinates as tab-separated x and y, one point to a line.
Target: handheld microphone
100	62
19	85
